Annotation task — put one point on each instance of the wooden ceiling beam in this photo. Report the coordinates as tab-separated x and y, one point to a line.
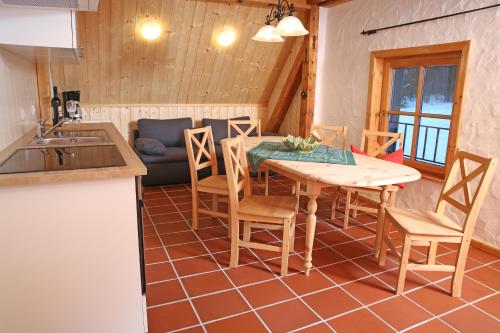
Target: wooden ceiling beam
309	73
292	83
331	3
299	4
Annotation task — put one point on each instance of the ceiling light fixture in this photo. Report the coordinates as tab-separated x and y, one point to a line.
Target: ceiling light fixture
150	30
288	25
226	37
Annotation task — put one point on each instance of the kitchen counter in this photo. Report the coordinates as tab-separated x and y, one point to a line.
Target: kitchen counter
77	230
132	164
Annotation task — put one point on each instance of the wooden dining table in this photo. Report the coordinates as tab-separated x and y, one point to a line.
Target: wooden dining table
368	171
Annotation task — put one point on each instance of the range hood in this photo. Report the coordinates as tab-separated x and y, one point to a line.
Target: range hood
83	5
43	35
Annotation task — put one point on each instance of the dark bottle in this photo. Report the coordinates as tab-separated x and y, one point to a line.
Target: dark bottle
55	102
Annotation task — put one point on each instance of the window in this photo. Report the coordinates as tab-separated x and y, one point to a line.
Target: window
419	94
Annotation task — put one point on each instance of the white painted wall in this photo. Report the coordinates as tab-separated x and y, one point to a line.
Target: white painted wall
18	97
343	66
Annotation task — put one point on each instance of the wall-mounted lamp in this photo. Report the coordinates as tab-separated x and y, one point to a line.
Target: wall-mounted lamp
150	30
226	37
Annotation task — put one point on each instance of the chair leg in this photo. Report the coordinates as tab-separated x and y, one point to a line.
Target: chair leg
296	189
285	250
235	240
347	208
405	255
247	229
356	202
458	275
215	202
266	180
292	235
335	201
228	219
194	198
383	247
431	253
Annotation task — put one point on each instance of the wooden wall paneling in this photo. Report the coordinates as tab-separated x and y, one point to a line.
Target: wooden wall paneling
116	22
221	58
299	4
43	85
290	124
243	62
127	53
167	65
292	83
192	50
273	76
298	46
220	13
181	47
205	52
307	109
233	55
120	67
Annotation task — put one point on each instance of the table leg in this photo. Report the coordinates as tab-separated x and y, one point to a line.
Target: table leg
384	198
313	191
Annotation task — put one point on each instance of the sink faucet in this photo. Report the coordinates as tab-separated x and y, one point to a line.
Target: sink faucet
41	133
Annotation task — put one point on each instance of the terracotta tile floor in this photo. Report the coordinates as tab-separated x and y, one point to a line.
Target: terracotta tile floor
191	289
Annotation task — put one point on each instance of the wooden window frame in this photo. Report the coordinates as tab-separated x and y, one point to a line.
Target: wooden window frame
378	92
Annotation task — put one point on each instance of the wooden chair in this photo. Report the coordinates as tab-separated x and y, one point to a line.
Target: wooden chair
428	228
331	136
201	156
380	142
245	128
256	211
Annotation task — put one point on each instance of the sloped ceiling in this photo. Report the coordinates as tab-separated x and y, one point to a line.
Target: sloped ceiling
185	65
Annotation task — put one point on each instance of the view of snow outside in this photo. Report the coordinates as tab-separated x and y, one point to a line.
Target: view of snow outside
437	129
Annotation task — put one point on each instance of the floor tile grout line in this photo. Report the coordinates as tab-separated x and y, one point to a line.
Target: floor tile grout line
354	297
181	284
351	259
456	309
224	272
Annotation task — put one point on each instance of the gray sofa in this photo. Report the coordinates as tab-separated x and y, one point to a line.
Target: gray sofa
172	166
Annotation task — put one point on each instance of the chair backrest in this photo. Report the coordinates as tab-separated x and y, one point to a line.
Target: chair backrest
376	144
201	155
330	135
237	171
243	127
460	194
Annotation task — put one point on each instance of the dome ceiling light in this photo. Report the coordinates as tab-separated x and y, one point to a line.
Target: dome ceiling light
226	37
150	30
288	25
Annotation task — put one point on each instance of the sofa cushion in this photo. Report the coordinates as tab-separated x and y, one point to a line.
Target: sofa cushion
219	127
170	132
148	146
173	154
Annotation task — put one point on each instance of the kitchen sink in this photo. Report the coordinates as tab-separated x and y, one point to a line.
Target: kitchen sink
69	140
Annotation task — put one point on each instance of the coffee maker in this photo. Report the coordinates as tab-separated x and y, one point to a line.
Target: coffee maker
75	97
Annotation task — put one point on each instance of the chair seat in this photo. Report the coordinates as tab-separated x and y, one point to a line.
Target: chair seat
273	206
218	182
419	222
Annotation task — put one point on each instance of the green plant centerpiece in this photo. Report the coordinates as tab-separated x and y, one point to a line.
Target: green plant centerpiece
301	145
